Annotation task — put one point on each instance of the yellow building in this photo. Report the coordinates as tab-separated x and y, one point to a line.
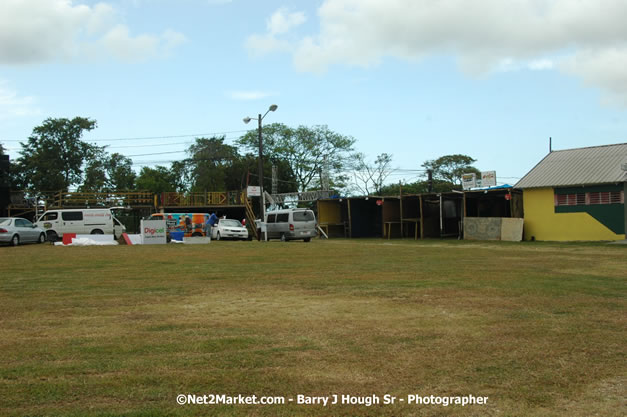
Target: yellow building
577	194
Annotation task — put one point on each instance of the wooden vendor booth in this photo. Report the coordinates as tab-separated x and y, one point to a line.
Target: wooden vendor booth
493	214
351	217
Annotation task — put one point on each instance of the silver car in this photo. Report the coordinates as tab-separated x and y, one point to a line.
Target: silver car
15	230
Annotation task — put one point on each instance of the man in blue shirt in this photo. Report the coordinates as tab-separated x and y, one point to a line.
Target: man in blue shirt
213	219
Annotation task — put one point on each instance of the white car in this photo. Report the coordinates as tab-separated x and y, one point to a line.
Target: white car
229	229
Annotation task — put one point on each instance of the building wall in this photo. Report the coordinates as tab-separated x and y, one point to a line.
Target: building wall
543	223
329	211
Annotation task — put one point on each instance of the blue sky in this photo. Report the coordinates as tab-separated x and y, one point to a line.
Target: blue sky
418	79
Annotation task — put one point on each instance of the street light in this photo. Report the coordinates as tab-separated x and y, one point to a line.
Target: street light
259	119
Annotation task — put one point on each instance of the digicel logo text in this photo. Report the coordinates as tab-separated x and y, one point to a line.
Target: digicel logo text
149	231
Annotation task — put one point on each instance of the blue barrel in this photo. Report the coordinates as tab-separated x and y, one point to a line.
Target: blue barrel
177	235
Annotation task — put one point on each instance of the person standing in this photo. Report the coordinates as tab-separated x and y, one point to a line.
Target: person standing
211	221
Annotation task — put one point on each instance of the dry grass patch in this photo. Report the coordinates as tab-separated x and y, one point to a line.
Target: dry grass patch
538	328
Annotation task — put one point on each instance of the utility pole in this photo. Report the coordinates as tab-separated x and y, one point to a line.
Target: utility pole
275	184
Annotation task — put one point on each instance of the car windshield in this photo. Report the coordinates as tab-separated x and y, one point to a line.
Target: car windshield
5	221
230	223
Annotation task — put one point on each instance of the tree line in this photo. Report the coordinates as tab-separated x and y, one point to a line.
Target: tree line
55	157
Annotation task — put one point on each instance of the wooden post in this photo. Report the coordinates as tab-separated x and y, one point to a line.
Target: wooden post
625	204
400	203
422	222
441	215
350	223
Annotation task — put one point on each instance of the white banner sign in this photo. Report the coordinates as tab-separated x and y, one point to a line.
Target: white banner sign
469	181
488	179
253	191
153	232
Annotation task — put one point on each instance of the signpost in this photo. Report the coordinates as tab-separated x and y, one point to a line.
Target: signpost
469	181
153	232
253	191
488	179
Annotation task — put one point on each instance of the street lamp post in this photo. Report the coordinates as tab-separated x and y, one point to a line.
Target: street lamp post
259	119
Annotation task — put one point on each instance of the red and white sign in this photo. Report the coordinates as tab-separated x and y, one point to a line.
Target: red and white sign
253	191
488	178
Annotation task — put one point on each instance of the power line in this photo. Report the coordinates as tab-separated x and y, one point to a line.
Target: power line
148	137
188	142
156	153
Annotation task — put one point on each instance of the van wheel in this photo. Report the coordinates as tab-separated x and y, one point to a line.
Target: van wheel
307	239
42	238
15	240
52	236
97	232
283	238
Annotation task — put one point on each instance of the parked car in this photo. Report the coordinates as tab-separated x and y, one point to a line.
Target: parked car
229	229
15	230
291	224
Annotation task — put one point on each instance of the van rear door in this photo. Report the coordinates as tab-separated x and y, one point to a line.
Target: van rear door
304	224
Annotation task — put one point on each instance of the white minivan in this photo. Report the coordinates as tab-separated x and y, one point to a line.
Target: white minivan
80	221
291	224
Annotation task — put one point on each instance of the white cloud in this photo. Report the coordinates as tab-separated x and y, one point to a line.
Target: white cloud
280	23
604	68
481	33
12	105
259	45
249	95
120	44
510	64
540	64
484	35
33	31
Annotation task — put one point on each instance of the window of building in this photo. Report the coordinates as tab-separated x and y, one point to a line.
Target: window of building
591	198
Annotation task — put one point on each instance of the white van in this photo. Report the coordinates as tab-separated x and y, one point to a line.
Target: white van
291	224
80	221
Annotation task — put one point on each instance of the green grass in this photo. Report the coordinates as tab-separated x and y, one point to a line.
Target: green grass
539	328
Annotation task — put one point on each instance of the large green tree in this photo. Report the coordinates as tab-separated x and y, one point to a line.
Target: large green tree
307	150
108	173
213	165
450	168
54	155
208	162
158	180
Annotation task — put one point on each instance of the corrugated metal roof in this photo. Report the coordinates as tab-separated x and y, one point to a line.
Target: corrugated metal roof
593	165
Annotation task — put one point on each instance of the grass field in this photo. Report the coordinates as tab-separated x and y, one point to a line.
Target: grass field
539	329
